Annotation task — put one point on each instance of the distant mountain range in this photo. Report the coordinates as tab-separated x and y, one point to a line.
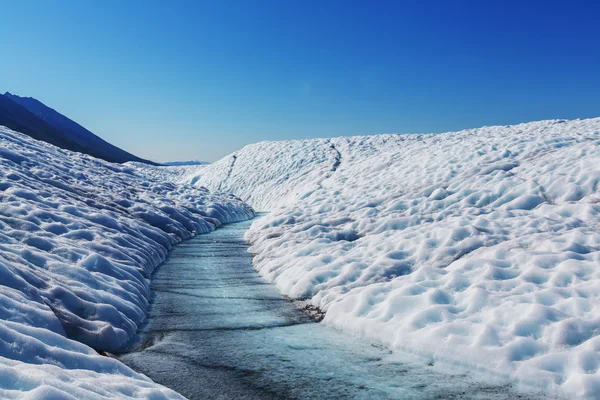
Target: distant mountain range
185	163
32	117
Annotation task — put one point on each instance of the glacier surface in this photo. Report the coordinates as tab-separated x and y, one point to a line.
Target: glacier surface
477	248
79	239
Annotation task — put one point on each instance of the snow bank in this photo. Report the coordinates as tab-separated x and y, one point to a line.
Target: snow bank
79	239
479	248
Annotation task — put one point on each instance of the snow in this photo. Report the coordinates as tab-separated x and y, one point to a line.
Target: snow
79	240
167	173
477	248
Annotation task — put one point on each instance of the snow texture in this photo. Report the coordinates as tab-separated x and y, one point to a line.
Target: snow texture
478	248
79	239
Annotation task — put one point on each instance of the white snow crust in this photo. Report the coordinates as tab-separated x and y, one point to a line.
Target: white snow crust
79	239
479	248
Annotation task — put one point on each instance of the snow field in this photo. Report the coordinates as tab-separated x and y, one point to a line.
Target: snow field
79	239
478	248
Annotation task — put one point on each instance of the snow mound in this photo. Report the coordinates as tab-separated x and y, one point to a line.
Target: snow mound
479	248
167	173
79	239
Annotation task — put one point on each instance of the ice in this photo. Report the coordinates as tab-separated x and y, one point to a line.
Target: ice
477	248
79	240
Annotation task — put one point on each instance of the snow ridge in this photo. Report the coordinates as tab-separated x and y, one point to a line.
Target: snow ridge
477	248
79	239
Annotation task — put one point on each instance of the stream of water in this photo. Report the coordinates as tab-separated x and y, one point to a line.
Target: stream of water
217	330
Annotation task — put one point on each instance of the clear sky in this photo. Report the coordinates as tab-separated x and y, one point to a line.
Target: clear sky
175	80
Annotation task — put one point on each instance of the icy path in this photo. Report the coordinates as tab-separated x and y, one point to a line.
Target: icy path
217	330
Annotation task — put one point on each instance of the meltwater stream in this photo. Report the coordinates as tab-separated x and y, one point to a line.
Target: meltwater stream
217	330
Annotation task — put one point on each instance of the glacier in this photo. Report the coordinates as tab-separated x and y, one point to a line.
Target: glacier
478	249
79	240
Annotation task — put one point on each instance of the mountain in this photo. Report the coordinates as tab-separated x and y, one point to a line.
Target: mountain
31	116
18	118
185	163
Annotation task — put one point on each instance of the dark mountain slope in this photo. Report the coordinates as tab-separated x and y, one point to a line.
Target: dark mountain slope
71	135
18	118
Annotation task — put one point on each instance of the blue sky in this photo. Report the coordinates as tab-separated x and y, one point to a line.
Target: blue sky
197	80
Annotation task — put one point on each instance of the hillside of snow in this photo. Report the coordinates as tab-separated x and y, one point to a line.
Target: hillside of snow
477	248
79	239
